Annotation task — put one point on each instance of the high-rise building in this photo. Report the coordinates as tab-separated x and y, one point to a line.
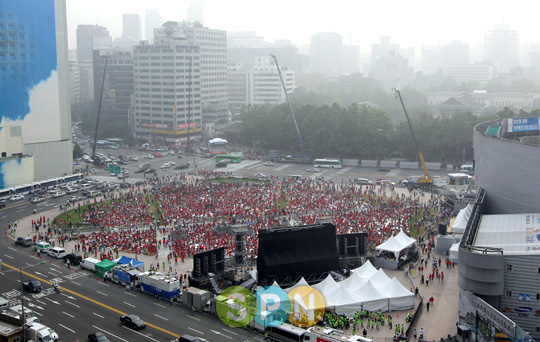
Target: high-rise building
456	53
351	59
35	118
432	58
501	47
152	20
118	85
132	27
266	86
213	64
195	13
245	40
326	54
89	37
167	90
389	66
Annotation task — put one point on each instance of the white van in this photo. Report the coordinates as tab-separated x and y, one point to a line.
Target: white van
90	264
86	186
4	304
57	252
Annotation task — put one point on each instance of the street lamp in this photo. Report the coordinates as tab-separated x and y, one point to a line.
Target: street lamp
99	110
189	106
463	155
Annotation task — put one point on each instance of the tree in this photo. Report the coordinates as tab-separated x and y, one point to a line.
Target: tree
77	151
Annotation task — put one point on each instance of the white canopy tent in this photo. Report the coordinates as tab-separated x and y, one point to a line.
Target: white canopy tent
395	244
399	297
454	250
301	282
327	286
460	223
366	270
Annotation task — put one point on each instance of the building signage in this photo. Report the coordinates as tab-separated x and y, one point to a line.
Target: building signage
499	320
154	125
524	297
192	130
523	124
184	126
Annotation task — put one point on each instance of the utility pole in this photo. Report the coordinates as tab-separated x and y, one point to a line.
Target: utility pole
99	110
188	147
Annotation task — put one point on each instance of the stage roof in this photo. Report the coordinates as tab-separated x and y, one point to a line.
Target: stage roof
516	234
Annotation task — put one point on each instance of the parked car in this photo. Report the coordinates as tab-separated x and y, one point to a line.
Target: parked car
57	252
36	199
42	246
221	164
181	166
313	169
58	194
148	156
16	197
24	241
70	190
158	155
364	181
98	337
268	163
94	193
133	158
2	204
74	198
73	258
132	321
32	286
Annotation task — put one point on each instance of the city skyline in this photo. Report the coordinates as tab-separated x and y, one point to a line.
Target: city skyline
407	25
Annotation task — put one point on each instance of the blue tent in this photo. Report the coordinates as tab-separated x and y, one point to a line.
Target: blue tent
124	260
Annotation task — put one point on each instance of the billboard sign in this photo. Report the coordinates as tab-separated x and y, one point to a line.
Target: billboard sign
523	124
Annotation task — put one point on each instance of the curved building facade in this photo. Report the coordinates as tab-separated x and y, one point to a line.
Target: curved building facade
507	168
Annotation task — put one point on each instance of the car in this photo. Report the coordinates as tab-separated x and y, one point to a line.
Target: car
71	190
387	182
149	170
54	189
148	156
133	158
121	162
85	193
36	199
181	166
268	163
42	247
74	198
172	153
16	197
58	194
94	193
132	321
383	169
33	286
57	252
261	176
24	241
73	258
313	169
2	204
364	181
158	155
171	163
123	175
165	167
123	158
98	337
221	164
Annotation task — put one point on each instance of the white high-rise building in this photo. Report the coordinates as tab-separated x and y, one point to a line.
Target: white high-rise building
326	54
195	13
167	89
152	20
213	51
501	47
266	86
132	26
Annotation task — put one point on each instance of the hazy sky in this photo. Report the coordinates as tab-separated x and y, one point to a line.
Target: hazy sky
408	23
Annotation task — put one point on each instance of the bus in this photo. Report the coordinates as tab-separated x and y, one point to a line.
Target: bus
218	146
333	163
467	168
104	144
228	158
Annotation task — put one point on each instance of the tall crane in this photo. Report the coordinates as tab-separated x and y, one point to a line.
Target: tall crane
426	179
302	148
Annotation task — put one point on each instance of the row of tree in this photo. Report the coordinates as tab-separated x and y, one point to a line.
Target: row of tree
362	132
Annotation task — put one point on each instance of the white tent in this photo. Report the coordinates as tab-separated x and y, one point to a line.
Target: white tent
353	283
460	223
380	279
395	244
342	301
366	270
327	286
399	297
454	250
370	298
301	282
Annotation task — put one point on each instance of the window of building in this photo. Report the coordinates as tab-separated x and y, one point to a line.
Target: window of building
509	267
508	293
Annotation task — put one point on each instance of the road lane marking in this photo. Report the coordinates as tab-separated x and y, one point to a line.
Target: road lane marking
73	304
136	332
98	315
197	331
54	270
195	318
74	282
52	301
37	300
63	326
92	301
9	256
230	332
130	294
161	317
65	313
160	305
109	333
220	333
129	304
102	293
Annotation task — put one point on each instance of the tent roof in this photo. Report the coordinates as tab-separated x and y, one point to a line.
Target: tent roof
391	245
395	289
369	292
340	297
353	283
379	279
460	223
301	282
404	239
106	263
123	260
328	285
366	270
455	247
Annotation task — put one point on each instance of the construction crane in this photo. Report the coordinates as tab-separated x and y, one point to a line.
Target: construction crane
426	179
303	156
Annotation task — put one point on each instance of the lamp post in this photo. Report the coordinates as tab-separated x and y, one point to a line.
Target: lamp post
99	110
463	155
188	147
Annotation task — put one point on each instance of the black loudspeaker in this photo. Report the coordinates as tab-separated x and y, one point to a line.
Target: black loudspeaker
442	229
212	261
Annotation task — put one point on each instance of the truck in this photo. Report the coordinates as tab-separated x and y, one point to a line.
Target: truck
39	332
32	285
17	310
122	274
158	284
